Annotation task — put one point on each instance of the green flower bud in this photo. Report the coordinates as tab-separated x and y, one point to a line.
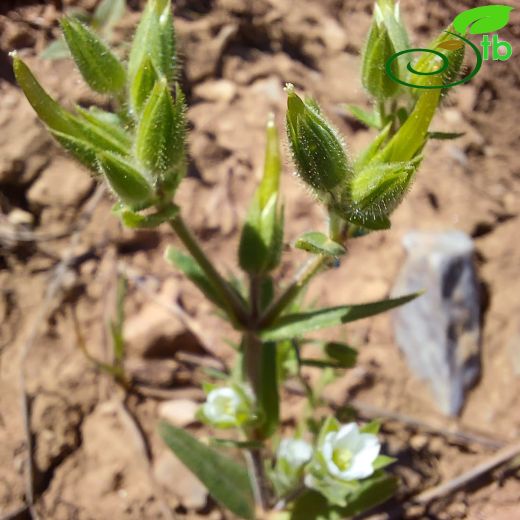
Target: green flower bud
262	235
142	84
125	180
377	190
100	68
160	135
154	38
378	49
317	148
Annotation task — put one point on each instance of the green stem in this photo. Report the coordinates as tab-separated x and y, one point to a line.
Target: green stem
233	303
302	278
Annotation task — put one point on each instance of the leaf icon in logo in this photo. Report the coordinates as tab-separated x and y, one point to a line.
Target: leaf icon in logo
484	19
451	45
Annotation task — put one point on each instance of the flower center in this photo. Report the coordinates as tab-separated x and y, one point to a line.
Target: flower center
342	458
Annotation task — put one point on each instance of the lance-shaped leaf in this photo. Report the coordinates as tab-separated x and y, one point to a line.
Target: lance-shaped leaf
135	220
100	68
125	180
48	110
319	244
317	148
107	124
343	354
262	236
154	38
371	119
81	150
409	140
371	150
107	14
378	50
360	496
160	135
296	325
226	480
189	267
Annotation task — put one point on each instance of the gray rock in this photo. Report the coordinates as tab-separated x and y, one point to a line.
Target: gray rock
439	332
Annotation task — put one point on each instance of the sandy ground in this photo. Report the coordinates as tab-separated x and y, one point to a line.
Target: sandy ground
89	460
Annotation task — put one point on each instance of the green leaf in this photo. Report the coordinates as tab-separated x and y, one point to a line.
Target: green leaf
226	480
319	363
371	427
105	125
137	221
56	50
231	443
319	244
81	150
370	119
445	135
371	150
189	267
409	140
100	68
107	14
296	325
343	354
370	493
124	179
50	112
383	461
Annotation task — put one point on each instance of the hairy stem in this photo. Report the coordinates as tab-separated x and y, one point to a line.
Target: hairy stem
233	303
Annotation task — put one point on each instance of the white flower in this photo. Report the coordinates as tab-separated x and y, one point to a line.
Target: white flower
224	407
295	451
350	454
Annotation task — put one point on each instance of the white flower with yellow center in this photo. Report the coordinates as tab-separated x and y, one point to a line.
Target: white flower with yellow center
225	407
350	454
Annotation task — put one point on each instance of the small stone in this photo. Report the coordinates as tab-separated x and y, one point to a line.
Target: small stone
19	217
155	333
161	373
439	332
419	442
217	90
179	412
173	475
62	183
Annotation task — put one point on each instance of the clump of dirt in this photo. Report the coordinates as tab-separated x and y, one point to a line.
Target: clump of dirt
89	460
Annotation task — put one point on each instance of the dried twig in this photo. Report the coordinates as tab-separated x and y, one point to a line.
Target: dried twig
447	488
52	289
